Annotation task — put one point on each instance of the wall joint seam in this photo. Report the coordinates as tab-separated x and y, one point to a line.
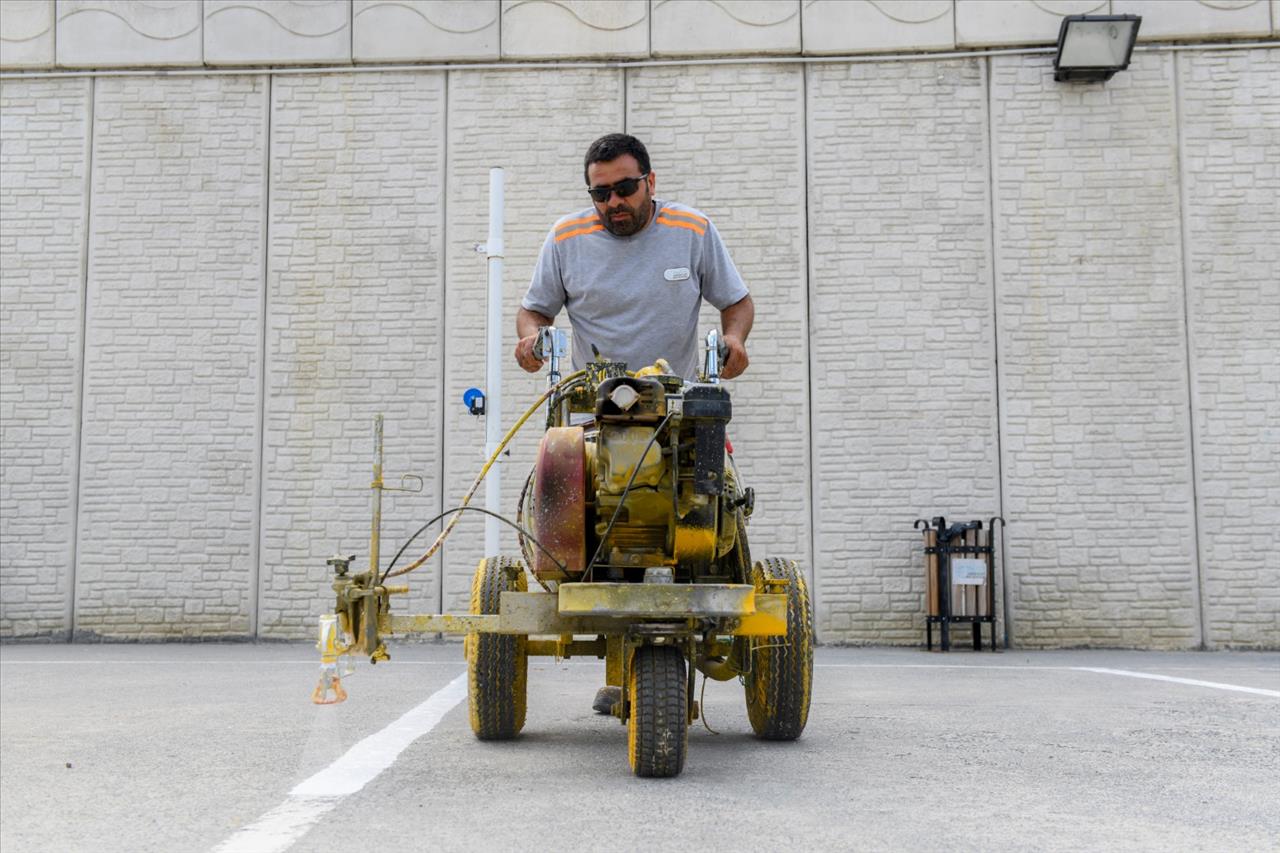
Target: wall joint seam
82	374
1197	587
579	64
255	566
993	256
800	15
444	317
814	591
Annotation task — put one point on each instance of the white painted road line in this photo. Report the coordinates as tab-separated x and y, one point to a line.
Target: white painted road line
313	798
311	662
1192	681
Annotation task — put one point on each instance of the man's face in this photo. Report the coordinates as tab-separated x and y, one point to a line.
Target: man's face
622	216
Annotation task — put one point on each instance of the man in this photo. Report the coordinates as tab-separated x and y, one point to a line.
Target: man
632	270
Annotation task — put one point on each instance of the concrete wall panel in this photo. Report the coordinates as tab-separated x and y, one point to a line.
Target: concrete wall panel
1230	108
718	27
854	26
1162	21
1000	23
264	32
44	141
168	474
1093	370
537	126
904	409
552	29
425	30
724	140
26	34
354	328
102	34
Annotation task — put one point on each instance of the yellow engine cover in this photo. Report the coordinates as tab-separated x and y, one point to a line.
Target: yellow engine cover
648	531
618	450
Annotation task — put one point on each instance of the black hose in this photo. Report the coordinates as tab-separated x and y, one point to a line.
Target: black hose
586	576
504	520
525	550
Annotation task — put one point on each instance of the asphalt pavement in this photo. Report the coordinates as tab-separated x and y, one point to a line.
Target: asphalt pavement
217	747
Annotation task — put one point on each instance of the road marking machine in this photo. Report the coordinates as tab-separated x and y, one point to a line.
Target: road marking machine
633	525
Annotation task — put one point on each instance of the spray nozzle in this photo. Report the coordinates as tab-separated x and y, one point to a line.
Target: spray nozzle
333	651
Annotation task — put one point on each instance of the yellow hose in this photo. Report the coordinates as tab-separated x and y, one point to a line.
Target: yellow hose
502	445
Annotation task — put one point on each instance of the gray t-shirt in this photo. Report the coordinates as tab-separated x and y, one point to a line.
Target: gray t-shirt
636	298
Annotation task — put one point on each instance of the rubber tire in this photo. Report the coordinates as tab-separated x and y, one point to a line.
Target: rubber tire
497	664
780	677
658	728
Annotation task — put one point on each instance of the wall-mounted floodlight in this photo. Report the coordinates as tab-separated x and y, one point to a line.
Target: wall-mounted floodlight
1091	48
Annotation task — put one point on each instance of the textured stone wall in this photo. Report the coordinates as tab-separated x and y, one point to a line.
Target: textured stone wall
979	292
44	147
692	119
1230	155
123	33
1093	365
354	327
903	377
533	124
168	515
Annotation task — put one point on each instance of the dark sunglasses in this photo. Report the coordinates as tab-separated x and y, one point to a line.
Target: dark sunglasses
623	188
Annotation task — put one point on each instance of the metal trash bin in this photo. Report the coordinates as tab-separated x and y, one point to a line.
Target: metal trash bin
960	578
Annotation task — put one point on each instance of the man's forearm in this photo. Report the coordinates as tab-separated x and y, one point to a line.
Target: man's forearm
736	320
527	322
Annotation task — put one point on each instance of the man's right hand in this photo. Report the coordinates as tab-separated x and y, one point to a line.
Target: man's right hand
524	354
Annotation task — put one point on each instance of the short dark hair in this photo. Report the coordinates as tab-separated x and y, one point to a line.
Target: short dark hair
613	146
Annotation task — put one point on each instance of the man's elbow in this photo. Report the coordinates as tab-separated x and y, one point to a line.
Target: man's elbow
738	318
528	321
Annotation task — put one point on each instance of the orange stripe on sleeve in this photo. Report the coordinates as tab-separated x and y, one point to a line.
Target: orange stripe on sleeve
590	230
666	211
675	223
564	225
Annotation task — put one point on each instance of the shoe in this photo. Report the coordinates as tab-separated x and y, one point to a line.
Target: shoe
606	698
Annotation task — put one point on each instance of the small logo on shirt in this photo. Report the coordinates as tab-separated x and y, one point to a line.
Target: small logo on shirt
676	274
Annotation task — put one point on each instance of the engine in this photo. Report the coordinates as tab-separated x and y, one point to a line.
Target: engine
645	488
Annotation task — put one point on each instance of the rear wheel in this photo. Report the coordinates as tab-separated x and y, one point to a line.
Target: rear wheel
497	664
658	728
780	674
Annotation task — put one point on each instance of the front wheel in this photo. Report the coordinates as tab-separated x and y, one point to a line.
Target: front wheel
658	728
780	674
497	664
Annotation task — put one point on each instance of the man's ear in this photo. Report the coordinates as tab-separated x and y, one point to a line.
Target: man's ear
652	182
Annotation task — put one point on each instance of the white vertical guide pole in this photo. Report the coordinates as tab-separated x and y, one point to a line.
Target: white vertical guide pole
494	250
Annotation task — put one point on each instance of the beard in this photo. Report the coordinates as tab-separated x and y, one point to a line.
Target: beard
623	220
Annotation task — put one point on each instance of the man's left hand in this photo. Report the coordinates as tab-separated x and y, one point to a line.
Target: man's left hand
737	360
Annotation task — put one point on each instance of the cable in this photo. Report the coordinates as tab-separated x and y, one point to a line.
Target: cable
586	576
524	495
525	550
460	510
702	705
562	385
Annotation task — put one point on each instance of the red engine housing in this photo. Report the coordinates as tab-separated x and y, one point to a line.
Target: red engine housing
560	504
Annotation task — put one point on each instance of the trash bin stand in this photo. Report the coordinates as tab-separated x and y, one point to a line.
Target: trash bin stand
948	602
